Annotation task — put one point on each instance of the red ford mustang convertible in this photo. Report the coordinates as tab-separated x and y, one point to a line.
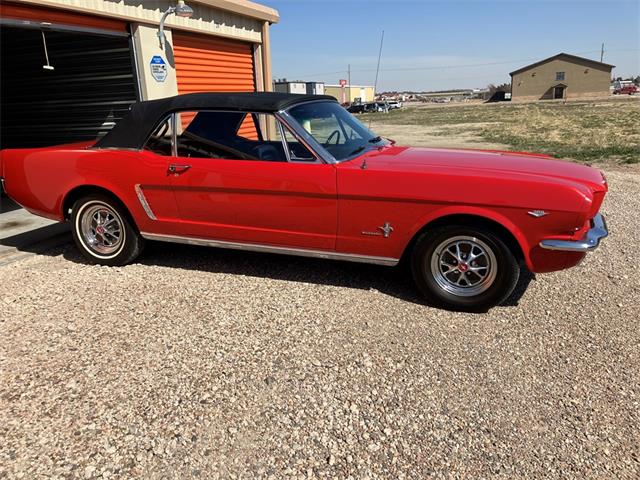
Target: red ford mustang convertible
299	175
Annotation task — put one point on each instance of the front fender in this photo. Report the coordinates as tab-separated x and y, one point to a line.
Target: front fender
481	213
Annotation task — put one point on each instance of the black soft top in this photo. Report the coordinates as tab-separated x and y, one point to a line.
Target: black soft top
134	129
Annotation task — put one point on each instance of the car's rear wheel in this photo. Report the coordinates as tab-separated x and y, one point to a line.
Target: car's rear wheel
103	231
464	268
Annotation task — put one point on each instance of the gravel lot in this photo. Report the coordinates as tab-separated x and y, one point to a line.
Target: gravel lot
204	363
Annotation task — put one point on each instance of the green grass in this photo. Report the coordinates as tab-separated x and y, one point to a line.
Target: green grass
595	131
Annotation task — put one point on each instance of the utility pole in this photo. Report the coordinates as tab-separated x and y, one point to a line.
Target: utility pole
349	80
375	85
602	53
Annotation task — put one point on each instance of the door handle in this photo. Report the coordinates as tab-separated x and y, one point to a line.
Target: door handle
178	169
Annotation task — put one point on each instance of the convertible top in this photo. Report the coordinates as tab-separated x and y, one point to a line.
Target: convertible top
134	129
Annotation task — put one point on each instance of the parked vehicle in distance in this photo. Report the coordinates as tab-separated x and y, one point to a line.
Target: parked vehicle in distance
394	104
382	107
355	108
368	107
626	90
297	174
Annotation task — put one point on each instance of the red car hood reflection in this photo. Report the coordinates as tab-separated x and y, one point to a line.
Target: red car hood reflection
413	159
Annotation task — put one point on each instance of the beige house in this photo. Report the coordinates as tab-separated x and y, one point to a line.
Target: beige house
562	76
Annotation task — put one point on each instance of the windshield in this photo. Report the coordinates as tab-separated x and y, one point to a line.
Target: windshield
339	132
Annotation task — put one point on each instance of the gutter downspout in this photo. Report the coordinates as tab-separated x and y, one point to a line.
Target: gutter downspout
266	58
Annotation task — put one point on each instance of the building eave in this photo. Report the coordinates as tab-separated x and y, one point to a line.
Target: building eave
559	55
244	7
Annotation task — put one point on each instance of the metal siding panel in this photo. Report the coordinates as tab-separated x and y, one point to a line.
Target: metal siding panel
39	14
205	64
90	88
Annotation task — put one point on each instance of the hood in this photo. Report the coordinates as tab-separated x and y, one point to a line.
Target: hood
412	159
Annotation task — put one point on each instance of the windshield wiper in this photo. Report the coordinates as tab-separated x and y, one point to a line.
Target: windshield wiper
357	150
375	139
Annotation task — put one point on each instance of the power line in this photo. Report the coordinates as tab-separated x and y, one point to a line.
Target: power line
446	67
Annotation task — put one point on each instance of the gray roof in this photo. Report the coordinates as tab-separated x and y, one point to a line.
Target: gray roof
568	56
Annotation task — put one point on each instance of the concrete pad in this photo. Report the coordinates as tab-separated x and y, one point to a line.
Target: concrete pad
23	234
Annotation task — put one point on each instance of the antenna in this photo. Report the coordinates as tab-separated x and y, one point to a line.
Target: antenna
375	85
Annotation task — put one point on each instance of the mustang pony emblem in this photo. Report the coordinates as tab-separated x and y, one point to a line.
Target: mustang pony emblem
385	231
538	213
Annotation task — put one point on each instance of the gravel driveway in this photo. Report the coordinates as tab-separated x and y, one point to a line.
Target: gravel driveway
216	364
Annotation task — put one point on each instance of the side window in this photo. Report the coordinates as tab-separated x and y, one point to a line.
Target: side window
298	152
160	140
228	135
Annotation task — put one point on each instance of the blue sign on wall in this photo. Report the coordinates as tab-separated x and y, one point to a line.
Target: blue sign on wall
158	68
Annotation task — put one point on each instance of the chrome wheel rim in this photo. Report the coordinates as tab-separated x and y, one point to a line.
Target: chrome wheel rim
101	229
464	266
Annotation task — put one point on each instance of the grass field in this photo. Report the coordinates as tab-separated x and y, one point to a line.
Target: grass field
606	131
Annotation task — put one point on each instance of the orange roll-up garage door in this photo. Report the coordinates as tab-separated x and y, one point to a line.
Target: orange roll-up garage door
214	64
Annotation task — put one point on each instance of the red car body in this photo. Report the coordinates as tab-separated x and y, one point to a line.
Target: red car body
323	207
626	90
299	175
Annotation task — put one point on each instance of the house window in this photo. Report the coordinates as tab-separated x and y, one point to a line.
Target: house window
559	76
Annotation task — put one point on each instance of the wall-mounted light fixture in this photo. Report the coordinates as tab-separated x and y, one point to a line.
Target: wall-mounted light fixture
46	66
181	10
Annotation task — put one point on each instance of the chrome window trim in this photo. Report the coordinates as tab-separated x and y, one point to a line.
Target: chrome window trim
283	140
322	152
254	247
143	201
305	137
174	134
284	125
173	117
126	149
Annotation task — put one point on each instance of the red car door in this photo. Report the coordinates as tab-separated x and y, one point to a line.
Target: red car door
256	201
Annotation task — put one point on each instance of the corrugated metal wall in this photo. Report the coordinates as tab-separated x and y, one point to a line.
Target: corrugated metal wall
90	88
214	64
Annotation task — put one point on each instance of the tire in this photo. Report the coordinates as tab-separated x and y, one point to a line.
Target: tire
104	232
487	280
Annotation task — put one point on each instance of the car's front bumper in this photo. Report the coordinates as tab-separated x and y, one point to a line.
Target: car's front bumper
589	242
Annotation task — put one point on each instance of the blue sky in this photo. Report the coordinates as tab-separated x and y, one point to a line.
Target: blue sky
433	45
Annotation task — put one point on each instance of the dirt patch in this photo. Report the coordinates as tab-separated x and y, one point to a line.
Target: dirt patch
446	136
587	131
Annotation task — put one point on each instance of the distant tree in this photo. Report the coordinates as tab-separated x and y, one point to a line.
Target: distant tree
637	80
503	87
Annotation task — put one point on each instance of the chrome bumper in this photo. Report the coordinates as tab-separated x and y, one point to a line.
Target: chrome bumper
589	242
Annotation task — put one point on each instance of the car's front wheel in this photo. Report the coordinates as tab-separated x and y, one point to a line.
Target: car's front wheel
464	268
103	231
